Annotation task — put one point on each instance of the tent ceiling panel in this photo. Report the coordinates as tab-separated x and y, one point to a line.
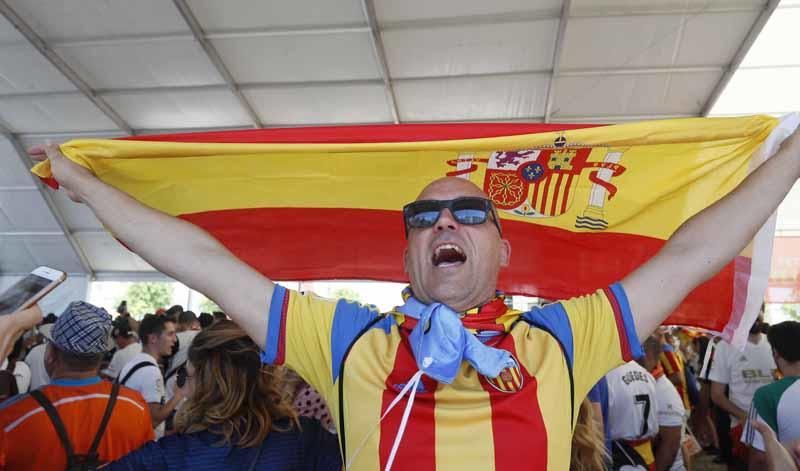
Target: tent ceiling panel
48	113
178	108
53	251
25	211
654	41
78	19
24	70
771	98
15	256
473	98
719	44
215	15
316	104
179	62
106	254
618	95
20	255
602	7
12	172
410	10
318	57
78	216
471	49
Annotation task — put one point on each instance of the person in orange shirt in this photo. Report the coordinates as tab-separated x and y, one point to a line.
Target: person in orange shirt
77	418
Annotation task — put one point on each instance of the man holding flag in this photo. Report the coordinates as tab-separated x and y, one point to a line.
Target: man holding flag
510	405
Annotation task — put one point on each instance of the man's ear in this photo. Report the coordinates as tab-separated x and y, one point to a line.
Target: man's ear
505	252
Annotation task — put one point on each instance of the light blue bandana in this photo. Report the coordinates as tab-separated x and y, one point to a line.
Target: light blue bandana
440	343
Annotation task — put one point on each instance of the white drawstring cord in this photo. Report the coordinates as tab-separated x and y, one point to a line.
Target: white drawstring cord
411	385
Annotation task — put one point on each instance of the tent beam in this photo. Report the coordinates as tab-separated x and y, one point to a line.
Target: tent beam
749	39
216	60
368	6
48	199
45	50
557	50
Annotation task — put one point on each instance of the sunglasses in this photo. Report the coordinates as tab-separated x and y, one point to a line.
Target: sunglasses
468	210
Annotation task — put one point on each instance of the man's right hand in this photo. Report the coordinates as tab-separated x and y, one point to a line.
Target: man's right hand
173	246
67	173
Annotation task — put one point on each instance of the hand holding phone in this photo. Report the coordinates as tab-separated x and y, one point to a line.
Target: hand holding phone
14	325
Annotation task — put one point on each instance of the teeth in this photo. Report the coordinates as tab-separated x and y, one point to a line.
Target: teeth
448	247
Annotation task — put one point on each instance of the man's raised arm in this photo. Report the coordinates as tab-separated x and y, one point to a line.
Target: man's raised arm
173	246
704	244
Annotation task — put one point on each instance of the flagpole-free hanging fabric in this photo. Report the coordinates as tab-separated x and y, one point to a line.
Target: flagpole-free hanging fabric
581	205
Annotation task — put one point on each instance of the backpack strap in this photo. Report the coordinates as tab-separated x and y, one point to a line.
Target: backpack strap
566	360
58	424
92	453
133	370
342	434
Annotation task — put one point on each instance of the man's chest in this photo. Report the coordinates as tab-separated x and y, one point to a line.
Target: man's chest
519	406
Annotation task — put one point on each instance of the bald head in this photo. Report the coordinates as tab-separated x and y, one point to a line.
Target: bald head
450	187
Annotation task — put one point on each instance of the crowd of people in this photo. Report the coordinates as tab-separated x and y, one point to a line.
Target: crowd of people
453	378
184	396
176	396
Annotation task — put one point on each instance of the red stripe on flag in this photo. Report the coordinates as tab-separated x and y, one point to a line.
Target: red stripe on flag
566	194
624	341
553	263
417	449
545	195
517	423
366	133
556	194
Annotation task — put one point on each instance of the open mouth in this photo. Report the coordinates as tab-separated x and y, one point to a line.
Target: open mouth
448	255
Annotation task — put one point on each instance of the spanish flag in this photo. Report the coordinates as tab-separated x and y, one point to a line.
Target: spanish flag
581	205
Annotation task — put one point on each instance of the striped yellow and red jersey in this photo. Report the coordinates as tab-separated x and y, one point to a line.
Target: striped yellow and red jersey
521	420
672	362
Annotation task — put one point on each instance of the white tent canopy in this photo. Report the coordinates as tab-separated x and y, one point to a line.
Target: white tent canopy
116	67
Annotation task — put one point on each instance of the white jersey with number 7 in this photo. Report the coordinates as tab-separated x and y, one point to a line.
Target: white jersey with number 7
632	406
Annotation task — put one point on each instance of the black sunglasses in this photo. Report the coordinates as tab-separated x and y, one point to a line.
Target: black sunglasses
468	210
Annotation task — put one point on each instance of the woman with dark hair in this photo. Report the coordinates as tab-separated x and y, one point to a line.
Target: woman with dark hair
237	415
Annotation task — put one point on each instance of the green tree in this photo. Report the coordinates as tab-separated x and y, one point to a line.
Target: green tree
791	311
347	293
207	305
144	298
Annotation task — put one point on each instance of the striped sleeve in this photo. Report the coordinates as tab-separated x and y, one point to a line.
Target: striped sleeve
597	332
669	361
310	334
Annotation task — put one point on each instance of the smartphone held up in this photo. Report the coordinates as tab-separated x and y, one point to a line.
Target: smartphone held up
29	290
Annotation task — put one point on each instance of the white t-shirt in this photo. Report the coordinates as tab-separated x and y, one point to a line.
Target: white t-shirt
778	405
121	358
148	381
743	371
671	413
35	361
632	403
22	374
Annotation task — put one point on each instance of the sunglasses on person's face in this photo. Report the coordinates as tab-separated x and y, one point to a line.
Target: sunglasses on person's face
469	210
